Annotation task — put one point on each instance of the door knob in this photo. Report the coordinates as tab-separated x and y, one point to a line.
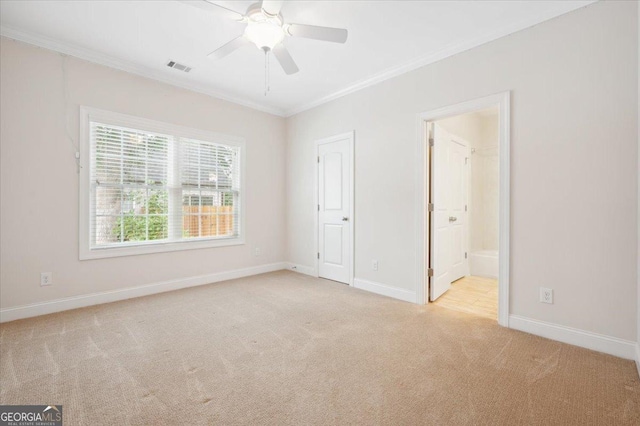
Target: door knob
452	218
345	219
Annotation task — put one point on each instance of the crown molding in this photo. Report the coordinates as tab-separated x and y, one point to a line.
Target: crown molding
450	50
126	66
443	53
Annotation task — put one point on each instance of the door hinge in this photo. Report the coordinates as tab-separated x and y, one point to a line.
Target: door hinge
318	207
318	158
466	159
465	254
430	272
465	207
318	255
430	207
431	141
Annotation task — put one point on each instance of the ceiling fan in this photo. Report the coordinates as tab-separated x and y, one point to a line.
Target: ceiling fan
266	30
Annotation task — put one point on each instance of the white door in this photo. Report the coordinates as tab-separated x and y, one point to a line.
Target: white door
448	231
334	205
458	172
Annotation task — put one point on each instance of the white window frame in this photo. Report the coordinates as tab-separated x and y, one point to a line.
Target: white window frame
86	252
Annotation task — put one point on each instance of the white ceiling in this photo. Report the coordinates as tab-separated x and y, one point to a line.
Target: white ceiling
386	38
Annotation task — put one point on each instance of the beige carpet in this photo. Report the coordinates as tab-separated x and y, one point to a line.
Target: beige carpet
284	348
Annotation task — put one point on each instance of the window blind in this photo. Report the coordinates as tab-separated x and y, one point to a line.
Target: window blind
153	188
209	183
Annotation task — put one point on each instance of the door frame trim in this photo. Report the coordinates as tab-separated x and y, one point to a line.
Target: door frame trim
502	101
351	137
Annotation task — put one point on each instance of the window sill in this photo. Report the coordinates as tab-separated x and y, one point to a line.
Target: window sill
102	253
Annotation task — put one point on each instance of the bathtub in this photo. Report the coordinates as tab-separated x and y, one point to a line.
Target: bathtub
484	263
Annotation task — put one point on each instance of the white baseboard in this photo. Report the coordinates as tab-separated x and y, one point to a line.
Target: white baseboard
307	270
58	305
396	293
594	341
638	357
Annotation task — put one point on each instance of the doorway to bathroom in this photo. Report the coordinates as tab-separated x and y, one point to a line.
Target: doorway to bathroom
466	209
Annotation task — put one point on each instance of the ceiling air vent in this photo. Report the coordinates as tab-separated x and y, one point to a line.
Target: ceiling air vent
180	67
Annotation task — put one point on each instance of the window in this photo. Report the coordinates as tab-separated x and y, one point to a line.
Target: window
148	187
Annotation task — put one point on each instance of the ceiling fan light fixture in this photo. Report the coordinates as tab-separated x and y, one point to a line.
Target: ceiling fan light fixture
266	29
265	34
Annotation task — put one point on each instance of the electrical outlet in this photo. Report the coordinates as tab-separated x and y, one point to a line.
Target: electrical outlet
256	251
546	295
374	265
46	278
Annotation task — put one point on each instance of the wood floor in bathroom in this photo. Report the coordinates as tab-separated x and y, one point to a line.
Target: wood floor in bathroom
474	295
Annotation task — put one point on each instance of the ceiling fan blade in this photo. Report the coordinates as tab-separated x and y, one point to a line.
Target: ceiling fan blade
336	35
228	48
272	7
286	61
215	8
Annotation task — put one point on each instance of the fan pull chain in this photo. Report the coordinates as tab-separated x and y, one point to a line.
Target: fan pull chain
266	71
267	66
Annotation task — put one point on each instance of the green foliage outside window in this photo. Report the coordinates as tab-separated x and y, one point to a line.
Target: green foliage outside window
133	227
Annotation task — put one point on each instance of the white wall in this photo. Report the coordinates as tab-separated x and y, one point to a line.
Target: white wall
573	158
487	164
467	126
638	249
39	179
